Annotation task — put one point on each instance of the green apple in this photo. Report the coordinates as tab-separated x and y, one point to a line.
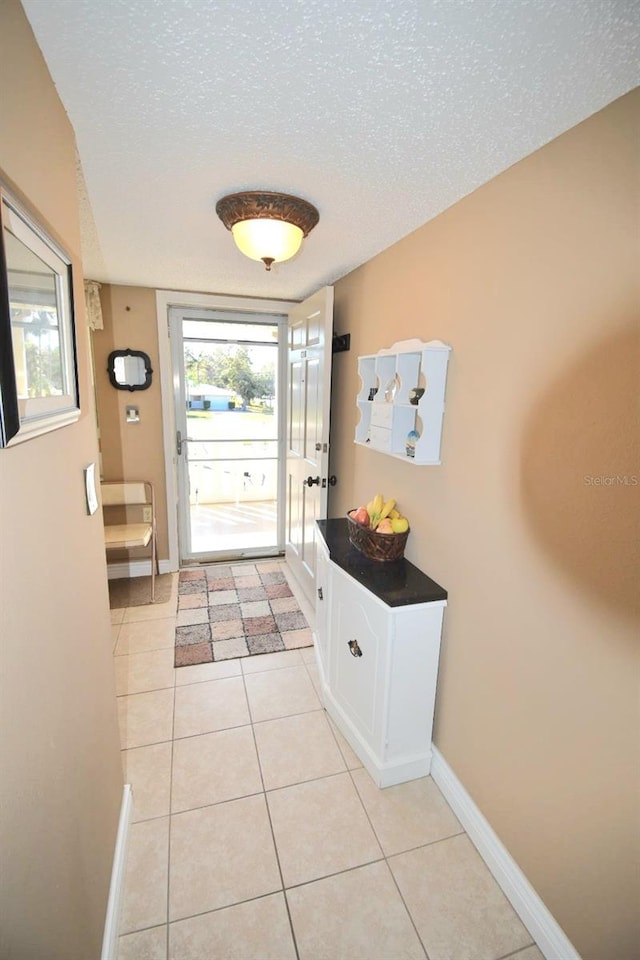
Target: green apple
400	525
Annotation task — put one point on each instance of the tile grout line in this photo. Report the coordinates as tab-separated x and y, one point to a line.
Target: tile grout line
204	733
171	755
133	653
336	873
173	737
405	905
139	693
114	645
220	909
134	933
514	955
334	731
375	833
387	864
273	836
382	859
297	783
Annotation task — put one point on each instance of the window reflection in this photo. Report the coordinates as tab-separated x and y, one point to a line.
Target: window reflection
129	371
35	328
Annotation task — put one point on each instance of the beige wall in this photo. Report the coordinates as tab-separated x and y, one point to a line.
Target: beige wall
131	451
533	281
60	776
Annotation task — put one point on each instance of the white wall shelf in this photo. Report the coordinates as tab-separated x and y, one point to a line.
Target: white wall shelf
386	414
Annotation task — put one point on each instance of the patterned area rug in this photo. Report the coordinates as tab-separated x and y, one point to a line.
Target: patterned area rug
136	591
236	610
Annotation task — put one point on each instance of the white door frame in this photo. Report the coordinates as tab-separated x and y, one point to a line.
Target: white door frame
175	298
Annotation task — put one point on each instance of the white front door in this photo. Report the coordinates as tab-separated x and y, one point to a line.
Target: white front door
309	397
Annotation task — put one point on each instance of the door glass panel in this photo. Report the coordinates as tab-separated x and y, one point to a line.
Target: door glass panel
231	390
314	410
296	413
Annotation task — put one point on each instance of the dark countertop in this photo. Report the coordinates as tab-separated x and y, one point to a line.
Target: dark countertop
397	583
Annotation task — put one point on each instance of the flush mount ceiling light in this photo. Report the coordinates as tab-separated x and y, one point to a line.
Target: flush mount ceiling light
265	225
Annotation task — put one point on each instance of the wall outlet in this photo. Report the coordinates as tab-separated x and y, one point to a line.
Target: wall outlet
146	515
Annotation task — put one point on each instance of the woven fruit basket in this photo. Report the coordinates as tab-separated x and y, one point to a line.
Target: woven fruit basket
374	545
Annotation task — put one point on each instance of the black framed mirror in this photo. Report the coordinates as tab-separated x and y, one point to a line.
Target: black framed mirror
129	370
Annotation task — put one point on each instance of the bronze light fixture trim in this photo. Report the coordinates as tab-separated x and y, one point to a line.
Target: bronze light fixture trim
266	225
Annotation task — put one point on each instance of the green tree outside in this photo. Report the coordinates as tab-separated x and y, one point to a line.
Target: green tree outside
234	371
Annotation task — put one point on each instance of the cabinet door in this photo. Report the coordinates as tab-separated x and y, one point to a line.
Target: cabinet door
412	680
358	637
322	607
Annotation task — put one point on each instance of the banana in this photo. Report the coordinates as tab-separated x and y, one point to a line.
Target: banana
378	509
374	509
394	514
387	508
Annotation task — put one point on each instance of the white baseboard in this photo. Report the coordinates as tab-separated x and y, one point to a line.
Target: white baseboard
382	774
543	927
116	888
135	568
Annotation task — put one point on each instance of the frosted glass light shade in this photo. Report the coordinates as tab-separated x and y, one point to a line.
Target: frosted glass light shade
266	225
267	240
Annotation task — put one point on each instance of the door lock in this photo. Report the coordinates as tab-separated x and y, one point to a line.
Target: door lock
311	480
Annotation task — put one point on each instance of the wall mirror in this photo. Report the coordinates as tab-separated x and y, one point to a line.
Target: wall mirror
129	370
38	374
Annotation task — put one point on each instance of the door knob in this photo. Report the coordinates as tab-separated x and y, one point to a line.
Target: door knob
311	480
333	480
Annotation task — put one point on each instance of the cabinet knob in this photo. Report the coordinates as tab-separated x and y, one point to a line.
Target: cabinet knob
354	648
319	593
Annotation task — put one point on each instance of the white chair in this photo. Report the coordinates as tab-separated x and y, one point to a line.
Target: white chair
132	497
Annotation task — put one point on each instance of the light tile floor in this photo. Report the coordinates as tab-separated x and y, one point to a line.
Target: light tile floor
258	835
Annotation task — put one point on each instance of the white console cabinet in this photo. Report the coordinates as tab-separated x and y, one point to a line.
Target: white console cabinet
378	628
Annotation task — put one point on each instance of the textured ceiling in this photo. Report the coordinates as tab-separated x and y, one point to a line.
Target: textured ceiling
380	112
